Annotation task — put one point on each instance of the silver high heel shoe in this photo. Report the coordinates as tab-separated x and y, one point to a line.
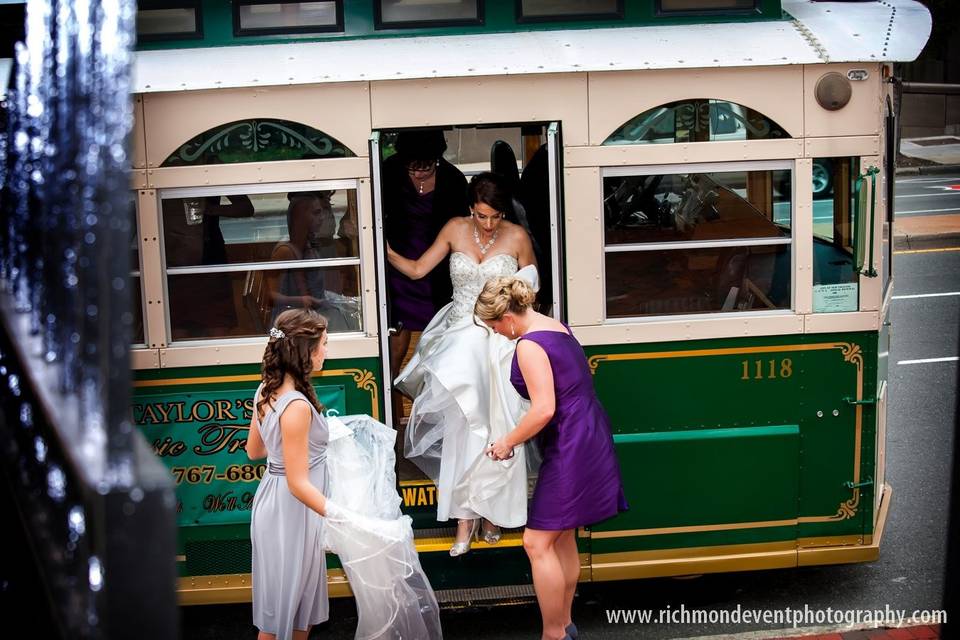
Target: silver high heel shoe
492	535
460	548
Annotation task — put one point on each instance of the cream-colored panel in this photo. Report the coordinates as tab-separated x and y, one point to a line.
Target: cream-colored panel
138	179
690	329
583	219
484	100
642	154
841	147
250	352
831	322
860	117
368	271
339	110
803	236
616	97
871	289
138	145
258	172
151	274
144	359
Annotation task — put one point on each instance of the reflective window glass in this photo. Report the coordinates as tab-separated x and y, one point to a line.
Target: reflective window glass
835	278
420	12
705	6
206	238
166	20
688	243
288	17
696	121
561	8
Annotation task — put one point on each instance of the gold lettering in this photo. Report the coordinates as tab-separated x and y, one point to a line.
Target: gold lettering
149	416
195	411
217	437
164	409
223	411
409	496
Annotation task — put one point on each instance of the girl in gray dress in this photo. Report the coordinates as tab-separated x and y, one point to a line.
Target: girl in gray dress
286	526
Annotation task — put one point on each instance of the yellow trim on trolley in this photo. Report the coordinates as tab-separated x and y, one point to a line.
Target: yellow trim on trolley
237	588
364	379
851	353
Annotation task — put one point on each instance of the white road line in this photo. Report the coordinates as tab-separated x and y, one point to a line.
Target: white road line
929	360
930	195
946	179
901	213
927	295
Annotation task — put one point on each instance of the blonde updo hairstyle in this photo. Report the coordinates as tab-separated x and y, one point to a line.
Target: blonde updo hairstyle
502	295
302	330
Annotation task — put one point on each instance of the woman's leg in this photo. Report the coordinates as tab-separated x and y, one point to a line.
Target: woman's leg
301	634
263	635
548	580
566	547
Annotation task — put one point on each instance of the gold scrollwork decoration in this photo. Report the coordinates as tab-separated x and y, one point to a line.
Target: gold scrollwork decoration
365	380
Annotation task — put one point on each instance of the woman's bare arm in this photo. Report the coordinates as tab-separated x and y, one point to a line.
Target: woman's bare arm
416	269
538	376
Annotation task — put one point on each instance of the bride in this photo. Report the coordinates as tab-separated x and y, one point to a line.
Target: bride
459	375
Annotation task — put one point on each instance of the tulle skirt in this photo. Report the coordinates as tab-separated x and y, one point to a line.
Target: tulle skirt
463	401
374	542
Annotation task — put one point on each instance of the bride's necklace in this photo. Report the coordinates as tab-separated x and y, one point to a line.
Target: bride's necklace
483	247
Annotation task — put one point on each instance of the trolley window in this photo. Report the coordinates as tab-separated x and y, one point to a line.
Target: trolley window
259	17
701	120
550	10
157	20
259	140
704	7
835	277
698	241
392	14
234	262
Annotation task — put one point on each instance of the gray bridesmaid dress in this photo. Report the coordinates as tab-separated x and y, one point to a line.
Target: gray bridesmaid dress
289	564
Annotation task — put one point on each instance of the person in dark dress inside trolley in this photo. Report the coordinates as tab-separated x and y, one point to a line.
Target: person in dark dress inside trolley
421	192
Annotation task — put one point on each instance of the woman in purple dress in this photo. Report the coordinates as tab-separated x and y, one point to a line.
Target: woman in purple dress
579	481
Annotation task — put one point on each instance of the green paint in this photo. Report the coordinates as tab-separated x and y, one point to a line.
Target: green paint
499	17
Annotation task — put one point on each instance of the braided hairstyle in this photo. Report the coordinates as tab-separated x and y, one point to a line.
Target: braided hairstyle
292	354
503	294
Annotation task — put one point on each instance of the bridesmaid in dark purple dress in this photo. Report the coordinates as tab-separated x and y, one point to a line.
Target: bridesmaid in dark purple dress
579	481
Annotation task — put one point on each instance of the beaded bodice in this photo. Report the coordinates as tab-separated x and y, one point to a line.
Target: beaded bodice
469	276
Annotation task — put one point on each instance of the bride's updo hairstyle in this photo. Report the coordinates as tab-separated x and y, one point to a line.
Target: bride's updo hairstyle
491	190
293	339
503	294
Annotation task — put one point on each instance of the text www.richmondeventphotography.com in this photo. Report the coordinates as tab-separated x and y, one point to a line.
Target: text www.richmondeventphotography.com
795	617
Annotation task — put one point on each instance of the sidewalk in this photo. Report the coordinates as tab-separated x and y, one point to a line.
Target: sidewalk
927	156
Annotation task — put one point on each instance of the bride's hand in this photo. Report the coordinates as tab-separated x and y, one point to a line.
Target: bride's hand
500	450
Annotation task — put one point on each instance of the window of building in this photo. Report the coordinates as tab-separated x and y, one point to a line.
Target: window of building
698	241
701	7
158	20
427	13
256	17
699	120
551	10
137	334
235	261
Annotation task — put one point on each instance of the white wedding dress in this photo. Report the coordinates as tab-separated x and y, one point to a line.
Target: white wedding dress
459	378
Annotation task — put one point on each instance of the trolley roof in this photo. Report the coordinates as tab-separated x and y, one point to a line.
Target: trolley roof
819	32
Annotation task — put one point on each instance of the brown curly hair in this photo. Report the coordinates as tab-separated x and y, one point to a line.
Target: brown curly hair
303	329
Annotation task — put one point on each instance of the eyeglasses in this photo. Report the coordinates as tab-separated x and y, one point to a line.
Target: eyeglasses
422	167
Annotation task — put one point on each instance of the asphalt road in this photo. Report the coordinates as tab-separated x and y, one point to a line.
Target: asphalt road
926	195
909	573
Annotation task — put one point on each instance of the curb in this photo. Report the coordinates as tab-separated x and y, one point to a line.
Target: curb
906	242
936	169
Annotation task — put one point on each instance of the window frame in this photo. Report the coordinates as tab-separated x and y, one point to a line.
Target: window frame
660	12
249	189
617	14
380	25
155	5
711	167
240	32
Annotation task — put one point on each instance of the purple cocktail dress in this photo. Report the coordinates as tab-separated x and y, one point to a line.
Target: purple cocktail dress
412	300
579	482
